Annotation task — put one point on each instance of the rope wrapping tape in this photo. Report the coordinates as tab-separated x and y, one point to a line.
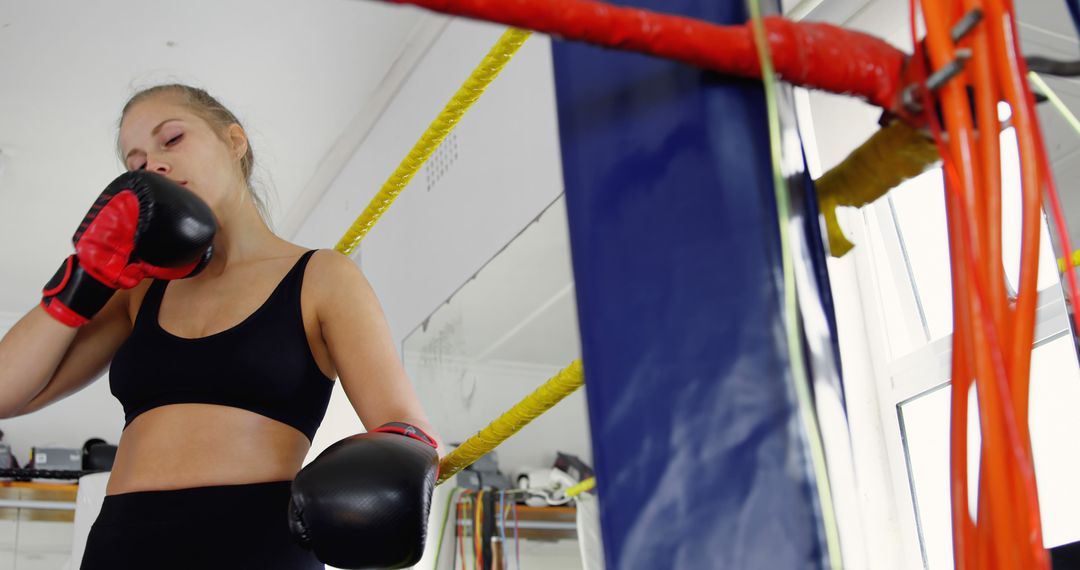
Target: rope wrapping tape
892	155
815	55
541	400
470	91
582	487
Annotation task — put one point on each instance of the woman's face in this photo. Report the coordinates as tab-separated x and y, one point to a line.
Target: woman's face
161	135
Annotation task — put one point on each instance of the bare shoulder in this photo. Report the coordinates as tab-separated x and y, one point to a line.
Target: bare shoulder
335	278
328	266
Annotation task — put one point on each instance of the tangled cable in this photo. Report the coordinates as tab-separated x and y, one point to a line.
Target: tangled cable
992	334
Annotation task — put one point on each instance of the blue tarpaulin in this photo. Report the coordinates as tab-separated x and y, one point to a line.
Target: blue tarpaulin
676	256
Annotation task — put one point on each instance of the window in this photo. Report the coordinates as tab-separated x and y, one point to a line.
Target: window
906	257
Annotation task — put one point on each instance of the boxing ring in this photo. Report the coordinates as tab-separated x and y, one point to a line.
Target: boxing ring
709	345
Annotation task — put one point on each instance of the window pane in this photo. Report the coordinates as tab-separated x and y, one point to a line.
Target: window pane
1010	221
892	282
924	424
1055	397
920	211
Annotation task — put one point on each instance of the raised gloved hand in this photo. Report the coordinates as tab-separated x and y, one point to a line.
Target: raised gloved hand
142	225
364	501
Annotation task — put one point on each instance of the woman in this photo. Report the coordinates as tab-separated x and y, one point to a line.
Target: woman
225	375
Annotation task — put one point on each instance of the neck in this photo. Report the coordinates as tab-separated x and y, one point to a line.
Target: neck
242	236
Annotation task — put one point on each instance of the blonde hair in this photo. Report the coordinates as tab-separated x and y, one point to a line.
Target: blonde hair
216	115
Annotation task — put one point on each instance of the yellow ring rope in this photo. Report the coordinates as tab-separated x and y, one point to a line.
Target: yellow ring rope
541	400
1075	261
470	91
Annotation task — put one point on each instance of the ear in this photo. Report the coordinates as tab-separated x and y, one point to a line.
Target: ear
238	141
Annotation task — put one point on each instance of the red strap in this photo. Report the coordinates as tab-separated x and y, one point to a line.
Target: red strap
167	273
60	312
69	264
407	430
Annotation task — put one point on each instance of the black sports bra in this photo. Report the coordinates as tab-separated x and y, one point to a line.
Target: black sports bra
264	364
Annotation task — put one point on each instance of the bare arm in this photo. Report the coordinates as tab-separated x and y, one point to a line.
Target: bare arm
362	348
42	360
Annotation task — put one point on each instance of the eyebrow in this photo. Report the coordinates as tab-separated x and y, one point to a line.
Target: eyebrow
153	132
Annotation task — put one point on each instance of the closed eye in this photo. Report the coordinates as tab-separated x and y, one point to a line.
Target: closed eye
174	140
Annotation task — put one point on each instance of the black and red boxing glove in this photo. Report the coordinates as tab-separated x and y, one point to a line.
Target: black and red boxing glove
142	225
364	501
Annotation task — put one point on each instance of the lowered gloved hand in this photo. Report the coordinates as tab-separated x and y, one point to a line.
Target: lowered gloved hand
364	501
142	225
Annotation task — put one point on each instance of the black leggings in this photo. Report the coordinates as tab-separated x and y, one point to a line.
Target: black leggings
229	527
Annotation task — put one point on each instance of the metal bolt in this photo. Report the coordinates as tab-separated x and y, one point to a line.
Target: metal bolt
966	24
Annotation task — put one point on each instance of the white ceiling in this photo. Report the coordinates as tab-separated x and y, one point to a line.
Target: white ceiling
302	76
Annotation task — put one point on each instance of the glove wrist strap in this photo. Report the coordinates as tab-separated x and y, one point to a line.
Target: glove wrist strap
73	296
407	430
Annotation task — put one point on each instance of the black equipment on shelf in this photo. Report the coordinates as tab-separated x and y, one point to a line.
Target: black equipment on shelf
28	474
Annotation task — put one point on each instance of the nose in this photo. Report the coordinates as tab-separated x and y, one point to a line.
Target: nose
158	166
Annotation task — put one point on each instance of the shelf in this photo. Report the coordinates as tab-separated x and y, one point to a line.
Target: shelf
38	501
533	523
69	487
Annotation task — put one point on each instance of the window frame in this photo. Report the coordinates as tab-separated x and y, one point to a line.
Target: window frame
903	378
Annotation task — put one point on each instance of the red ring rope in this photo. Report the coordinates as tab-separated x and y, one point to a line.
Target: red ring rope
815	55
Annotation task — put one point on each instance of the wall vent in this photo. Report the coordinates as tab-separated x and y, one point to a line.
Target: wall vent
441	160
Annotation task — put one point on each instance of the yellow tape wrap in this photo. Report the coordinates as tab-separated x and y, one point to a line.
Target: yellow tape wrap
470	91
586	485
543	399
894	154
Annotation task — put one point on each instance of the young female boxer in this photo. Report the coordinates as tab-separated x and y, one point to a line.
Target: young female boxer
223	341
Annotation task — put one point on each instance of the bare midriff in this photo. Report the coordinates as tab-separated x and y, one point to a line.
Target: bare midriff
179	446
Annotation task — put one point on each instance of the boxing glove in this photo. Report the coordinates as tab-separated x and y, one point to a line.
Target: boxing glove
143	225
364	501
